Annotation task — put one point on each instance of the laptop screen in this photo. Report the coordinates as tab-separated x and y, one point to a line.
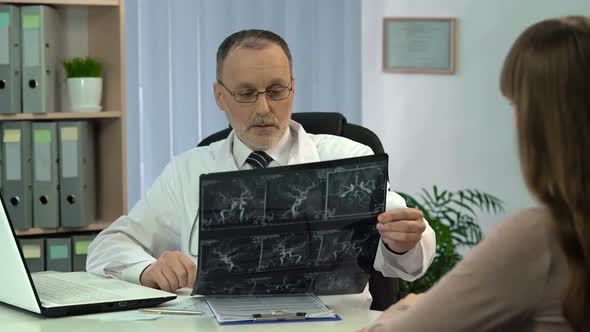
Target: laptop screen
21	292
307	228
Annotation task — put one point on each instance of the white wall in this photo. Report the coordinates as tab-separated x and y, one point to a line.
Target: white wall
455	131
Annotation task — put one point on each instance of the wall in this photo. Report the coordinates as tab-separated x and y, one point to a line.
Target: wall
455	131
170	61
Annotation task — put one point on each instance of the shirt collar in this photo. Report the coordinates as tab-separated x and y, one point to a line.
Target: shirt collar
279	152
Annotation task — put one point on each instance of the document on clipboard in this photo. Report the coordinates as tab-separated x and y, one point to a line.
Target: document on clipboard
269	308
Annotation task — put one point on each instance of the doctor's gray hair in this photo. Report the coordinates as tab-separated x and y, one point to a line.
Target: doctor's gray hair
254	39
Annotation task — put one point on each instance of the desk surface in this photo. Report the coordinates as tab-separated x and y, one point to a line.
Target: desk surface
353	311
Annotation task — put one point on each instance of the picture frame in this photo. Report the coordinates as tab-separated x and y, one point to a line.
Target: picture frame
419	45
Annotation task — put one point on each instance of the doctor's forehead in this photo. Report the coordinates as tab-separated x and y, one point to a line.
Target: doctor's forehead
264	66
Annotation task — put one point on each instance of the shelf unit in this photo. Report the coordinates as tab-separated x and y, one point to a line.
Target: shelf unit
60	116
113	3
94	28
94	227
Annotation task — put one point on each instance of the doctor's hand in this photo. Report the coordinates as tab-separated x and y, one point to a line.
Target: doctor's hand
173	270
401	229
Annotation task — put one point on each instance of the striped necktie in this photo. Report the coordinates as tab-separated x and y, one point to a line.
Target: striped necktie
259	159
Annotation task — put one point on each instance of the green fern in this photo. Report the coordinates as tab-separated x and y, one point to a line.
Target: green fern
82	67
453	217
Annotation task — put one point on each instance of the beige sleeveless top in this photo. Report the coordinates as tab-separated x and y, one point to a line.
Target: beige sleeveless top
511	281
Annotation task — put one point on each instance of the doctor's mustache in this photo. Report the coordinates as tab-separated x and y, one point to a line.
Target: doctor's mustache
265	121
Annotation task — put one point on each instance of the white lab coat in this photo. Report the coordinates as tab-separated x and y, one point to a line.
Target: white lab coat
162	220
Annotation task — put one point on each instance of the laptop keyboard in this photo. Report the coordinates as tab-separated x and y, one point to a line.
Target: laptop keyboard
66	292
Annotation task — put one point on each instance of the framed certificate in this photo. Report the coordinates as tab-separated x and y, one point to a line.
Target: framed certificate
419	45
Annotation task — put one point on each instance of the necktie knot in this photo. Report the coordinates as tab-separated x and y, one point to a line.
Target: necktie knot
259	159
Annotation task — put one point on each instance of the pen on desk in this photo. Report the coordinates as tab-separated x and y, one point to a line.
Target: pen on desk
171	312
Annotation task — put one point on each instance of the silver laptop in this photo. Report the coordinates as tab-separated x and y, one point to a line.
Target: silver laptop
57	294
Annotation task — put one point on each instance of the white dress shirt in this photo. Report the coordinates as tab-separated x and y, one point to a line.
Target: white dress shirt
164	218
279	152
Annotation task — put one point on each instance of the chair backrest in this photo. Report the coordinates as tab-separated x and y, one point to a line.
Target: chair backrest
321	123
385	291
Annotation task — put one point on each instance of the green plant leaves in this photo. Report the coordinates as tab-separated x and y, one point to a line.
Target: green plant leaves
453	217
82	67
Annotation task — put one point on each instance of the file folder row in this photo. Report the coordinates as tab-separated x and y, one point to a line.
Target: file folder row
47	176
63	254
28	59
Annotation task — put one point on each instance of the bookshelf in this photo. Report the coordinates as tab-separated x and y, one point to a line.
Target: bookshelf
60	116
93	28
93	227
114	3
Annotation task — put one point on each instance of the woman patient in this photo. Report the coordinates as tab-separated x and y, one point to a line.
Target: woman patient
532	273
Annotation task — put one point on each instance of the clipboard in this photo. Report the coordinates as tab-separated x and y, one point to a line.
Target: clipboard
297	317
233	310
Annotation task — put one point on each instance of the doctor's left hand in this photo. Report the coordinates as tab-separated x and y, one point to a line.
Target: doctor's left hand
401	229
173	270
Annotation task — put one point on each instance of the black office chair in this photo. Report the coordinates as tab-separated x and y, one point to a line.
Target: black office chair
385	291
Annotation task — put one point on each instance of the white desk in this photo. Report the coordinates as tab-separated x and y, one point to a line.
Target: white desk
350	308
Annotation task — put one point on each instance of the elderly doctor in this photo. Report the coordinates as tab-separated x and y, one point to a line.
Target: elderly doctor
255	88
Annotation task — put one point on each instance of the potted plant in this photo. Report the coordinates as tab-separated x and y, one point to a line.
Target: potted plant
453	217
84	82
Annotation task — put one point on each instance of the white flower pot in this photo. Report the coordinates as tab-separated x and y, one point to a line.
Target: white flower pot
85	94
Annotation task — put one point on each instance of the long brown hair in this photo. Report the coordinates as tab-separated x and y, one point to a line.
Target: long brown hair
546	75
